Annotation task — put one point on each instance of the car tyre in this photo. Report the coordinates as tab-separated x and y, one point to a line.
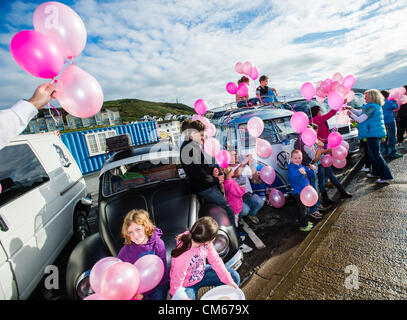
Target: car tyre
81	227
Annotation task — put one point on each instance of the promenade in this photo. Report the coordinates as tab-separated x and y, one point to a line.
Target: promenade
357	252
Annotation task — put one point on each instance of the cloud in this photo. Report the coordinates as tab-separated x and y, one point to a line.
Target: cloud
186	50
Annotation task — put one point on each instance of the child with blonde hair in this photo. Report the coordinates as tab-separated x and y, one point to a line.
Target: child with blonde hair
142	237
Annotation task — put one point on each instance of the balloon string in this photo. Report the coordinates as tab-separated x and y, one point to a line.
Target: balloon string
52	116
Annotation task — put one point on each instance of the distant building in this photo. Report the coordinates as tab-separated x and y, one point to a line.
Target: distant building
172	128
45	123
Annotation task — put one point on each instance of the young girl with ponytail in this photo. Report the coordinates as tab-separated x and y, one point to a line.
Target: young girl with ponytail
189	270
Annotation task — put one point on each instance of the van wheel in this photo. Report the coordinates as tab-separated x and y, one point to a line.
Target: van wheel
81	226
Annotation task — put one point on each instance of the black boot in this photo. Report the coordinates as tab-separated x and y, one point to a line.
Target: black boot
325	200
344	194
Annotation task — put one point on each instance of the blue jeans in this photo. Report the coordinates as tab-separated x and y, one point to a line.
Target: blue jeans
388	148
159	293
327	172
313	183
379	166
251	205
210	279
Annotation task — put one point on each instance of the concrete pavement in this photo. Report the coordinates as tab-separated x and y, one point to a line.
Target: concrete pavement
358	251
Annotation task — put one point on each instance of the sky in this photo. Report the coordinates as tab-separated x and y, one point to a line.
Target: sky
168	51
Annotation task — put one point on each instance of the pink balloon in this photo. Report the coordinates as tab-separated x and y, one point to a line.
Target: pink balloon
98	270
342	90
263	148
349	81
339	152
326	160
403	99
267	174
309	136
337	77
81	94
339	163
37	54
212	147
276	198
325	86
320	93
200	106
308	90
63	24
95	296
239	67
231	88
255	126
120	282
196	117
299	121
309	196
345	144
255	73
243	89
151	270
210	130
247	68
223	158
334	139
335	100
350	96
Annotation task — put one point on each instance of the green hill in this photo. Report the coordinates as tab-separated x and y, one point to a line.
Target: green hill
133	109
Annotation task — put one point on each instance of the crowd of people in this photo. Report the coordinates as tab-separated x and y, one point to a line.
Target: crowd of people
231	189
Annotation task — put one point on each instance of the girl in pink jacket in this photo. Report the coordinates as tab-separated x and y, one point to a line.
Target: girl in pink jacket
189	270
233	192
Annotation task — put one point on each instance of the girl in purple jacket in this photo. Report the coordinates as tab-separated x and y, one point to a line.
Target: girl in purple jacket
141	237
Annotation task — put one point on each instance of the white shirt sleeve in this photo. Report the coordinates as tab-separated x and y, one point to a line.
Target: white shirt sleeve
359	119
14	120
356	111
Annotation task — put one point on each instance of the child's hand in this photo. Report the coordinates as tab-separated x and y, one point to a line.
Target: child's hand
234	285
138	296
215	172
302	171
312	167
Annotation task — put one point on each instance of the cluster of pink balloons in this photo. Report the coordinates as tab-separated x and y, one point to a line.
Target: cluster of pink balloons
336	90
398	95
276	198
242	89
338	157
248	69
59	34
113	279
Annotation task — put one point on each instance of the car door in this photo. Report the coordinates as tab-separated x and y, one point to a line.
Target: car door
23	200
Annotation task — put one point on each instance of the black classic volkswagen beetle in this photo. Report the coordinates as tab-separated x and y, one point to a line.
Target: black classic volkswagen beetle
150	178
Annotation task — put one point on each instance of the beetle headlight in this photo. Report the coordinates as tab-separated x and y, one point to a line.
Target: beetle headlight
221	243
83	288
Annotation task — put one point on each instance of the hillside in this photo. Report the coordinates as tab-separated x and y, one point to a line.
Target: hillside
133	109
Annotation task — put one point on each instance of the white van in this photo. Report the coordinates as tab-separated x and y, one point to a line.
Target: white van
42	204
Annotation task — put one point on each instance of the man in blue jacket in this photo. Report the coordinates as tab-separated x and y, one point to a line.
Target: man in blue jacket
388	147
